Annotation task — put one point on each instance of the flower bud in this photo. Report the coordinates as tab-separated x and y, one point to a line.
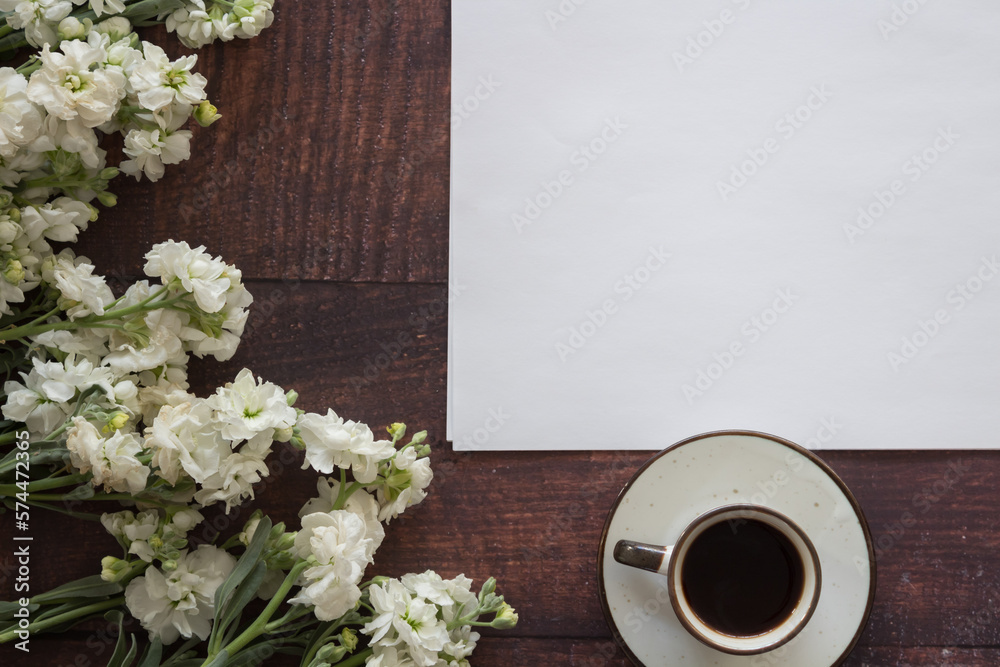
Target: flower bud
9	230
291	396
250	527
107	198
206	113
349	638
329	655
114	569
116	28
397	430
13	273
72	28
108	173
283	434
117	421
14	214
506	618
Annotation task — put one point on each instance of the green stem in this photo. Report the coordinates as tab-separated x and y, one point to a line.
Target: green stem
355	660
62	618
43	484
258	627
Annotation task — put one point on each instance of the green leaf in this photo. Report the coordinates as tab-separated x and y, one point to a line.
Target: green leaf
244	593
246	564
151	656
121	657
87	587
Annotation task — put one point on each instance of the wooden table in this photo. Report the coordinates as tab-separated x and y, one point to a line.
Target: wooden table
327	183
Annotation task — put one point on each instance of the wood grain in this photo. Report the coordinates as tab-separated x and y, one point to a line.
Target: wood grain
327	183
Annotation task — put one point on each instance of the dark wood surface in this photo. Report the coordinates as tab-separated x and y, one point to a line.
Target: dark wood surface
327	183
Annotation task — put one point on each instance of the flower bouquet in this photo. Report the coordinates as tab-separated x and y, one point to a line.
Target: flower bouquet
96	402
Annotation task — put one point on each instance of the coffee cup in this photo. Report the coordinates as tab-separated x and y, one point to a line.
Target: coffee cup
743	579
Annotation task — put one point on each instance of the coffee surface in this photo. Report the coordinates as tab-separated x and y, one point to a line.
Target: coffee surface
742	577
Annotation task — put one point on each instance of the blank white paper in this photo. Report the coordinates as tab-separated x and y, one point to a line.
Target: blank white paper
676	217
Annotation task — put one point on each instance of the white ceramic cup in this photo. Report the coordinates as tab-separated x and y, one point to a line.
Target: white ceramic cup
671	560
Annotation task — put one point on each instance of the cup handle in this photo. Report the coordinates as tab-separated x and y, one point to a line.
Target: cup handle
643	556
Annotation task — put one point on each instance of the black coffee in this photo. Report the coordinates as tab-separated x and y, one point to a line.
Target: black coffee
742	577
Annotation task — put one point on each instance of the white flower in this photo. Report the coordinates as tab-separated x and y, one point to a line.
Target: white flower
234	479
68	86
150	150
134	531
162	327
82	292
20	121
181	603
245	408
38	18
360	502
402	619
60	220
114	7
42	402
208	279
112	460
253	16
159	82
196	26
338	542
333	443
167	386
72	136
405	483
183	440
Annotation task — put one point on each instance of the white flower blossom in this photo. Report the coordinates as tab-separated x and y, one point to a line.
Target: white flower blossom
233	481
182	602
42	402
38	18
408	623
360	502
72	136
20	120
60	220
338	542
158	82
253	16
245	408
183	441
405	484
69	87
332	443
197	26
113	7
150	150
112	460
208	279
83	293
164	344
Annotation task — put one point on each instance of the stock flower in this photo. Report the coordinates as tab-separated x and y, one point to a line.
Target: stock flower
195	270
69	86
183	441
20	121
407	622
161	328
246	407
72	136
233	481
113	7
83	293
180	603
196	26
360	502
331	442
338	543
405	483
42	402
253	17
112	460
150	150
60	220
158	82
38	18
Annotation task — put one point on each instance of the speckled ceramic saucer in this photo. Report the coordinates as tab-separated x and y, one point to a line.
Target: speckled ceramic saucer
707	471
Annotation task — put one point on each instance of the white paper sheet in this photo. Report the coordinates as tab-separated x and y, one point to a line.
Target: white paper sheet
677	217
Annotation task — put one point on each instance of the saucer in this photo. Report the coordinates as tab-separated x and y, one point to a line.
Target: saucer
701	473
